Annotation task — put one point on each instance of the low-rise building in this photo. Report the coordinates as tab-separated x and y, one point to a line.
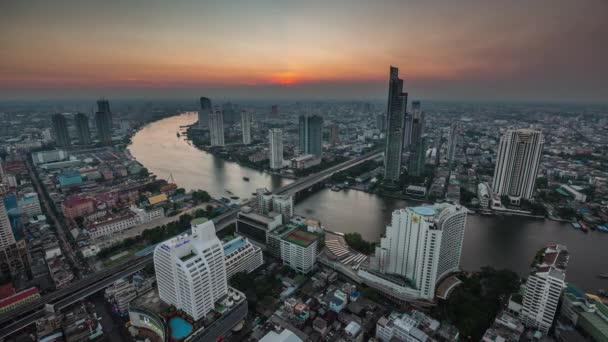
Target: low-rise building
256	226
112	224
10	299
77	206
241	256
305	161
505	328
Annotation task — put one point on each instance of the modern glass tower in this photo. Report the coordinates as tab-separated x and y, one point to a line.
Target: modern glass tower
216	128
81	121
395	122
246	120
203	114
103	121
275	139
417	125
311	135
517	163
60	130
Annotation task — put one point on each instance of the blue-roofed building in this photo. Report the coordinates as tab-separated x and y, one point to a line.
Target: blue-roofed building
338	301
241	256
69	179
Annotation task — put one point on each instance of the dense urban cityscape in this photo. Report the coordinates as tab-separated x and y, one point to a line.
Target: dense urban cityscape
323	171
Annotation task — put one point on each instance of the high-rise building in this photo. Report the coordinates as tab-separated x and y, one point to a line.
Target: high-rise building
517	162
246	120
216	128
421	247
242	256
299	250
395	122
103	121
407	132
13	254
417	125
452	142
283	205
381	122
81	121
418	158
275	139
334	134
544	287
60	130
204	113
311	135
274	111
191	270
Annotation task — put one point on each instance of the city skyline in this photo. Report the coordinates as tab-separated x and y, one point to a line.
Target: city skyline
467	52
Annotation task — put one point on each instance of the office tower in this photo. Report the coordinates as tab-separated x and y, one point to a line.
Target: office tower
334	134
381	122
81	121
13	254
395	122
204	113
274	111
275	139
311	135
246	119
407	132
422	245
544	287
452	142
103	121
517	162
418	124
191	270
216	128
418	158
60	130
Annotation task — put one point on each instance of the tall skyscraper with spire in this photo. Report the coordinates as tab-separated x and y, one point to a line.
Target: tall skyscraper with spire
204	113
103	121
60	130
216	128
81	121
396	112
311	135
246	120
517	163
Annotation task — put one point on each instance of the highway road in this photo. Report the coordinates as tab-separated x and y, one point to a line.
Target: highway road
29	313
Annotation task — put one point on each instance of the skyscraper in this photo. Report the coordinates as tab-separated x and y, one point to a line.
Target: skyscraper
418	158
246	119
311	135
517	162
422	246
81	121
275	139
191	270
334	134
381	122
452	142
395	122
274	111
13	254
544	287
417	125
407	132
60	130
216	128
204	113
103	121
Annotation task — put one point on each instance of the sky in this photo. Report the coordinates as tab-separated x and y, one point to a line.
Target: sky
532	50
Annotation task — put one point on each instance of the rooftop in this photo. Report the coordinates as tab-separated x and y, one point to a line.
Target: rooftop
301	237
149	301
424	211
234	245
198	221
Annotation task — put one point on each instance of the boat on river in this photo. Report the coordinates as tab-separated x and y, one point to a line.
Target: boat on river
603	275
246	179
576	225
584	226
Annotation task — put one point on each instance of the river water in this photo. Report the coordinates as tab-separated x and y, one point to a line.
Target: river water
500	242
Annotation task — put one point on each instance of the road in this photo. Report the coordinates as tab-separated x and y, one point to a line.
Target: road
79	265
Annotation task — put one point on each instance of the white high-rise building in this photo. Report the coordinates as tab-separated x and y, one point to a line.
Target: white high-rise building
299	250
283	205
452	142
264	200
242	256
191	270
275	138
544	288
6	232
422	246
246	120
517	162
216	128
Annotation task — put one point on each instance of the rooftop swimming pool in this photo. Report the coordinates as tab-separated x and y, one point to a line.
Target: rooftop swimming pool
179	328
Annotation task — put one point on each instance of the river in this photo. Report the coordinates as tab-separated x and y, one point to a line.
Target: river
500	242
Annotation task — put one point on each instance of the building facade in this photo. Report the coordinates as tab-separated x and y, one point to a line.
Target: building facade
191	270
299	250
60	130
204	113
241	256
275	139
103	121
216	128
246	121
311	135
81	121
517	163
395	121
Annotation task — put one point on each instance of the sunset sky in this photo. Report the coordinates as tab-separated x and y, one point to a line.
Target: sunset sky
451	50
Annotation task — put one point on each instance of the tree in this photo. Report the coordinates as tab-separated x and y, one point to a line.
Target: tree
200	196
356	242
144	172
